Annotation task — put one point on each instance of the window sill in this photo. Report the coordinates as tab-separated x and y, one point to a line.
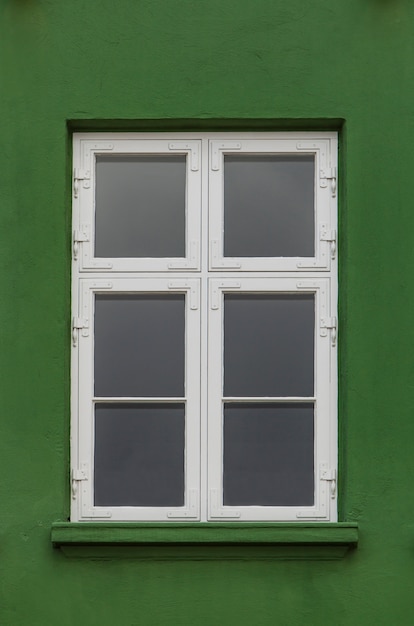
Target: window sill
205	541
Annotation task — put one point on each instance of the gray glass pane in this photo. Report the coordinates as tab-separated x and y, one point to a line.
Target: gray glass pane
268	455
139	455
140	345
140	206
269	345
269	206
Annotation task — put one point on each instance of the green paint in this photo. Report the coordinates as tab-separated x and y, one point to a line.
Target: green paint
204	532
206	541
208	65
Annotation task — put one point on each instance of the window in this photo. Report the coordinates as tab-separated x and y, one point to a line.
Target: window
204	327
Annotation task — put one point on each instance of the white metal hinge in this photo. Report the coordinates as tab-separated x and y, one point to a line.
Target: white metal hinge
330	476
77	324
77	476
321	509
80	174
78	237
329	173
329	323
329	235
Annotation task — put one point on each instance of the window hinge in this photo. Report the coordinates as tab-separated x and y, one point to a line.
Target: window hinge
77	476
330	236
329	173
329	323
80	174
77	324
78	237
330	476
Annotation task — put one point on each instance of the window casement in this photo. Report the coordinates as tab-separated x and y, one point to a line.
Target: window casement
204	366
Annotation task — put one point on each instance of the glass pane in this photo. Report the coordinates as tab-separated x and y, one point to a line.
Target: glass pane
268	455
269	345
139	345
140	206
269	206
139	455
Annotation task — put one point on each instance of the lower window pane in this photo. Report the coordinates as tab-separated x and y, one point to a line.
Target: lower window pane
139	454
268	454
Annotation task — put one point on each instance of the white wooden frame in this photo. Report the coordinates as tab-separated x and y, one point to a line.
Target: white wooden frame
83	357
204	275
85	153
324	152
324	399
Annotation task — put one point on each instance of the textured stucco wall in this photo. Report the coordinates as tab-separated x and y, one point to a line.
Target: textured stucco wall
282	64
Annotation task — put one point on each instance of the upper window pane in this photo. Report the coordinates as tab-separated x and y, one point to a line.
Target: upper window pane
140	345
269	345
140	206
269	206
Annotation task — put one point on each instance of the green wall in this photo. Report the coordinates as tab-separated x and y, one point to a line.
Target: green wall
181	64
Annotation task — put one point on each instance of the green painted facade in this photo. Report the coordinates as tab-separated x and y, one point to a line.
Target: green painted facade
185	65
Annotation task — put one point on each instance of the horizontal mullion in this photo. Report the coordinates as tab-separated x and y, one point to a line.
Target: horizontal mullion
139	400
267	399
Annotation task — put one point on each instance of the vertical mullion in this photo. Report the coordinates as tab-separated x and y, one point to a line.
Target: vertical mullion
215	395
192	395
204	409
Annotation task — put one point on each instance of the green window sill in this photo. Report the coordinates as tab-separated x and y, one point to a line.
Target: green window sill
205	541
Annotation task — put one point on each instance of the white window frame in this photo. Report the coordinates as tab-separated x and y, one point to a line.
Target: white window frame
85	400
85	154
321	150
204	276
323	399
